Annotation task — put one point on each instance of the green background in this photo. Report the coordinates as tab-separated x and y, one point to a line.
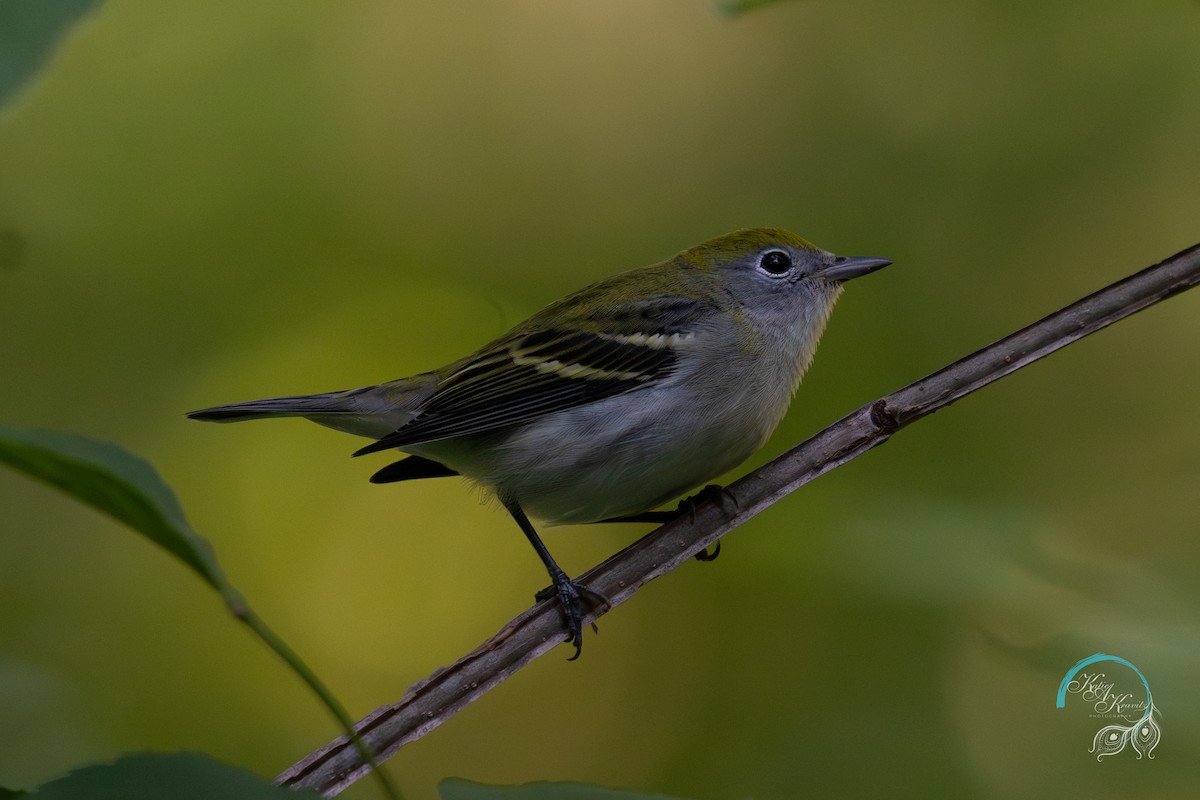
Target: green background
209	202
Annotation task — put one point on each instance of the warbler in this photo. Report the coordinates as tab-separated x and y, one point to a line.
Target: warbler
613	400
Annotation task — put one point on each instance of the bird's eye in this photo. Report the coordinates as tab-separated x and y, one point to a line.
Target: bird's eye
775	262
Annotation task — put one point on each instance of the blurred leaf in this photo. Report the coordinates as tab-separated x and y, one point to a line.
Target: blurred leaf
29	31
460	789
11	794
149	776
735	7
110	479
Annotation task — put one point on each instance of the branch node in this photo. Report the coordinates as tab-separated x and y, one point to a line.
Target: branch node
883	418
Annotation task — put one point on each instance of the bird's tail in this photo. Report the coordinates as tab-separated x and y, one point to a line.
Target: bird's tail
347	402
373	411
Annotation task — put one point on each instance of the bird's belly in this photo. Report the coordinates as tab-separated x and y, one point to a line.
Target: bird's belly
611	458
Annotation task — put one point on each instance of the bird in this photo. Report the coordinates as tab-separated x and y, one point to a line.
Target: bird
612	400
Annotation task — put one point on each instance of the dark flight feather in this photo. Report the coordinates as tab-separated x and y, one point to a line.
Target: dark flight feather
410	469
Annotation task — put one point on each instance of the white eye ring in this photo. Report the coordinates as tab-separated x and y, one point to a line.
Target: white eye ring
775	263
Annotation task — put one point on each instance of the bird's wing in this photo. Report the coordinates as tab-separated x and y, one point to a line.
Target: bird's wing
532	373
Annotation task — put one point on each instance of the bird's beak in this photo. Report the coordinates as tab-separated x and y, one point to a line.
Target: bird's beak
852	267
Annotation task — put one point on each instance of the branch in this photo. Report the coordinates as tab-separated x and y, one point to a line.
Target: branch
429	703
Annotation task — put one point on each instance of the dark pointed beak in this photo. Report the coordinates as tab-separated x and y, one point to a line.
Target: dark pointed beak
848	267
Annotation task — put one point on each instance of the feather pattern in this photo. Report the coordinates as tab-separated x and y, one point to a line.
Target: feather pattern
532	375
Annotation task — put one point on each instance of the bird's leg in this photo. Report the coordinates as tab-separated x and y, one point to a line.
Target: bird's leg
713	492
649	517
569	593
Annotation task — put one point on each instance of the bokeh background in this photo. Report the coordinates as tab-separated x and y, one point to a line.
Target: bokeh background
209	202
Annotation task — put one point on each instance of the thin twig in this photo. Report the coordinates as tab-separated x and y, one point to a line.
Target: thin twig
429	703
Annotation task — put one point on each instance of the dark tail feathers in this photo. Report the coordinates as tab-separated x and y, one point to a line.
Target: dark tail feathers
303	405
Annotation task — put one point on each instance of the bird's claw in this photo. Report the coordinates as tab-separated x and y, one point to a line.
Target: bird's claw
714	492
718	495
571	597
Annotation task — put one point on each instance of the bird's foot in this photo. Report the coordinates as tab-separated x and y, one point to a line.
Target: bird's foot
688	505
571	596
718	495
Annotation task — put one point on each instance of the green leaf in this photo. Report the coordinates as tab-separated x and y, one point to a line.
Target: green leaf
734	7
11	794
460	789
112	480
155	776
29	31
